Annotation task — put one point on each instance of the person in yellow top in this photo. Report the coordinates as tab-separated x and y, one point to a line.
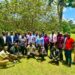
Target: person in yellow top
3	58
31	50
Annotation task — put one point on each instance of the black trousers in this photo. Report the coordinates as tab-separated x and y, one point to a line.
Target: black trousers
46	48
68	57
61	54
51	46
23	50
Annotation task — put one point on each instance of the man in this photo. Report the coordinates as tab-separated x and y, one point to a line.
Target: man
16	37
4	37
29	38
53	40
55	55
42	52
15	49
23	44
68	49
33	38
8	41
12	38
1	42
60	42
46	43
40	47
3	56
31	50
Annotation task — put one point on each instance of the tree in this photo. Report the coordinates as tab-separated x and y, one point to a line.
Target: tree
60	5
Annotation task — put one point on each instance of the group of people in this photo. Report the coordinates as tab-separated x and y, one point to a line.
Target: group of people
14	46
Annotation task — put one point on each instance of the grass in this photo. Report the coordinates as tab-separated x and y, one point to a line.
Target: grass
33	67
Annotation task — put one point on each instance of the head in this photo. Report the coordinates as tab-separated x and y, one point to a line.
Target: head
11	33
68	36
1	48
45	35
52	32
25	34
36	33
40	35
30	44
33	32
5	48
3	33
16	44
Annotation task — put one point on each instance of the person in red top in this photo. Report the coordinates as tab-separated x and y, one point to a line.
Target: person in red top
68	49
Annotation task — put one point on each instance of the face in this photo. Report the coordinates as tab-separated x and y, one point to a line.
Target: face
45	35
52	32
5	48
16	44
30	44
68	36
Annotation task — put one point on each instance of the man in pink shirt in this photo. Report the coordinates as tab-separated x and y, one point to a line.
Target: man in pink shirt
46	43
52	40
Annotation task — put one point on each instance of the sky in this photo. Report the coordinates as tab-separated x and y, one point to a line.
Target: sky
69	14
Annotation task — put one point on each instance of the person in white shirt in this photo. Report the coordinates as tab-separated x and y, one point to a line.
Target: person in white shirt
29	38
12	37
4	37
52	40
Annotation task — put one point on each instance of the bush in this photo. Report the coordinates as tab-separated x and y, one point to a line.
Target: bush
73	31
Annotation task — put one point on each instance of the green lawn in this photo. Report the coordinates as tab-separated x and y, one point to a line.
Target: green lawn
33	67
73	35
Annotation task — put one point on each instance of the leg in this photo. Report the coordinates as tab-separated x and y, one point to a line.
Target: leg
4	62
51	46
69	58
61	55
66	56
46	48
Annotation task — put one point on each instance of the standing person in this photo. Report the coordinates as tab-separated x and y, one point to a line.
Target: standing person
12	37
37	43
53	40
68	50
41	49
8	41
29	38
60	42
23	45
4	37
43	33
33	38
19	35
16	37
1	42
25	37
46	43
